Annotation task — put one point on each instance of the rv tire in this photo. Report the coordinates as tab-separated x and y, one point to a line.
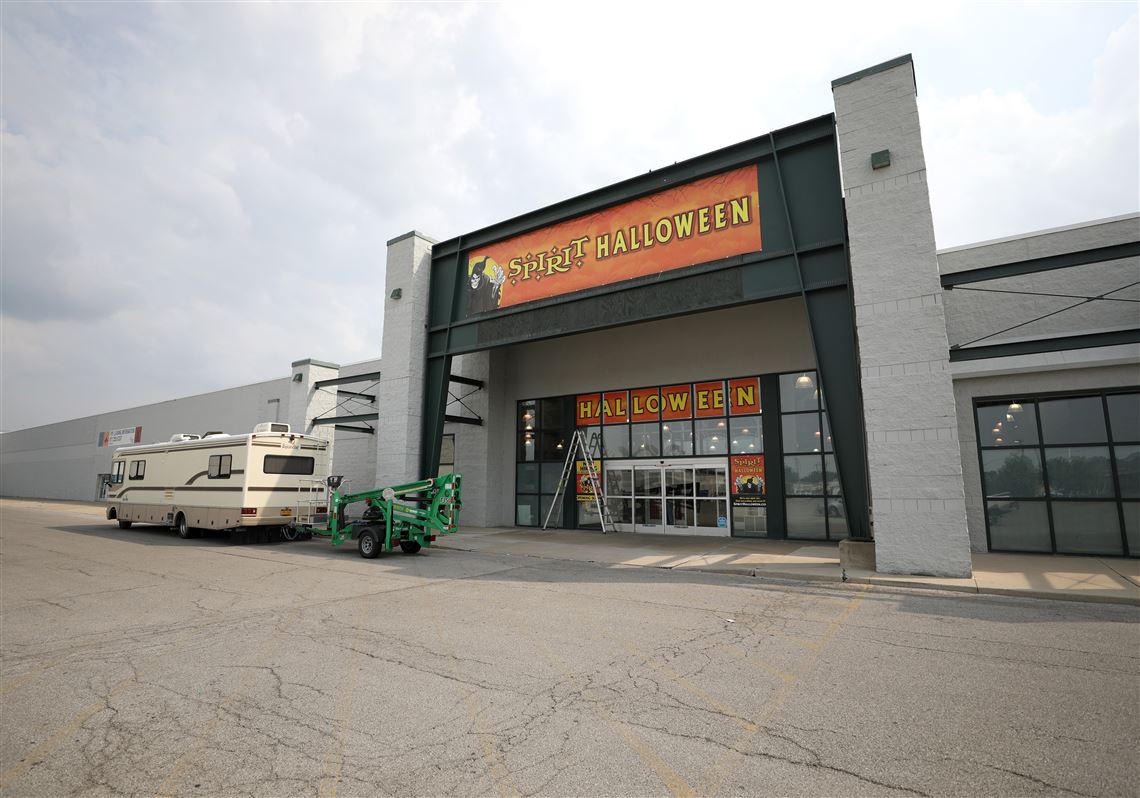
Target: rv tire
181	527
124	524
368	543
410	546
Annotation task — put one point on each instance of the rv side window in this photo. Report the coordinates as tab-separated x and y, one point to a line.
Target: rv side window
117	471
279	464
219	467
138	469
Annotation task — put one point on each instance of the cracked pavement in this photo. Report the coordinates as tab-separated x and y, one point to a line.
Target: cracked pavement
134	662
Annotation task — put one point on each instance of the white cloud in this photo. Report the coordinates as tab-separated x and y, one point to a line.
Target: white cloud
998	165
204	191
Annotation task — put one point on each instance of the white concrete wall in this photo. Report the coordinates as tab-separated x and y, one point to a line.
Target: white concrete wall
400	392
62	461
683	349
918	506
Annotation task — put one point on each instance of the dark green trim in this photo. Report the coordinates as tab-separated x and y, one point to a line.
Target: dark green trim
1056	343
1043	264
317	422
371	375
873	70
364	397
831	319
471	381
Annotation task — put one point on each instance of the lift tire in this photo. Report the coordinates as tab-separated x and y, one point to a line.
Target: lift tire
368	543
410	546
124	524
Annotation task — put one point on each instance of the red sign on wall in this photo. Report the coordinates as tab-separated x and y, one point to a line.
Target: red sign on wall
587	408
676	402
708	399
744	396
644	404
615	407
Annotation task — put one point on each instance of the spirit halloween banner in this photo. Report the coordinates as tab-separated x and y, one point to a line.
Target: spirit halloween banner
705	220
584	494
747	472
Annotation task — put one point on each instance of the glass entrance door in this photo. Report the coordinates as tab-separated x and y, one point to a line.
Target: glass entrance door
681	498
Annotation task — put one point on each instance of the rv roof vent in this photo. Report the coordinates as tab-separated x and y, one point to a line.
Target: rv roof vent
178	437
271	426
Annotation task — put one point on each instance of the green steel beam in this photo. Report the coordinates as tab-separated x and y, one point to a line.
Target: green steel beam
1044	264
1056	343
318	422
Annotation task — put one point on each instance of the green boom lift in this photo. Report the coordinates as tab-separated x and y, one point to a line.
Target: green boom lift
410	515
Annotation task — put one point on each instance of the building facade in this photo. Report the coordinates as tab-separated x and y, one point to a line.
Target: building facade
761	342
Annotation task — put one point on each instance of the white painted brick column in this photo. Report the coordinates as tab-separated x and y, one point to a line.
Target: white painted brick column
917	497
307	402
400	392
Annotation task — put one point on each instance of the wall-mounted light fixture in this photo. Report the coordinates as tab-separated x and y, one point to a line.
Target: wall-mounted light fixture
396	293
881	159
297	377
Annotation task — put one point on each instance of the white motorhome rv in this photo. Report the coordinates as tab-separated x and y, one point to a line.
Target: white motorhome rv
269	478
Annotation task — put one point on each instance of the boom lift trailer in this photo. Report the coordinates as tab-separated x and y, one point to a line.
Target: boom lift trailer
410	515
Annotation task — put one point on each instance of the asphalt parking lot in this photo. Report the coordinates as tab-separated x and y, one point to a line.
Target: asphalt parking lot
136	662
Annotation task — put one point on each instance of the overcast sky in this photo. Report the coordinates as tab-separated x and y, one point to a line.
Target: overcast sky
196	195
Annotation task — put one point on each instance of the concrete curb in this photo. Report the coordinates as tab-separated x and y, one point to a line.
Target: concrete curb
881	581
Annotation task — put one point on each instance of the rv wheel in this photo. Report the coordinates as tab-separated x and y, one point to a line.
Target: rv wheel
409	546
368	543
124	524
181	528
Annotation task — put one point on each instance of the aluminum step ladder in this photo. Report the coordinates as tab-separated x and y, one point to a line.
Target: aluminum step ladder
593	481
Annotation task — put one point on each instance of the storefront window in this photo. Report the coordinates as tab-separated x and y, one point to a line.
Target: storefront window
1057	473
615	440
646	439
677	438
799	391
1013	473
1078	420
747	437
711	436
543	439
813	504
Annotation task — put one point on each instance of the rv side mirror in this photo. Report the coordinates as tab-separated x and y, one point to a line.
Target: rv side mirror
334	481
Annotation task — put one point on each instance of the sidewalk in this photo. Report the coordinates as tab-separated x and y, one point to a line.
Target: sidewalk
1111	580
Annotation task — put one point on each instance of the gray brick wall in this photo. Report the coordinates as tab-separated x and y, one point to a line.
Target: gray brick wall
918	507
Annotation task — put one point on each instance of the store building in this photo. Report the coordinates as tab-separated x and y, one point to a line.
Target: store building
758	342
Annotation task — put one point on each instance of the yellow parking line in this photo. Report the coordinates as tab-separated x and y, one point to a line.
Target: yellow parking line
500	774
333	761
728	761
41	751
675	783
169	786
